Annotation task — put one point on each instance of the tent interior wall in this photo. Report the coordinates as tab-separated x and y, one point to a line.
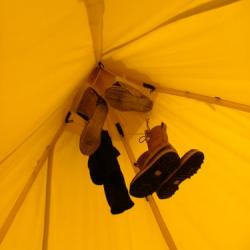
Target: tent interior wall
48	50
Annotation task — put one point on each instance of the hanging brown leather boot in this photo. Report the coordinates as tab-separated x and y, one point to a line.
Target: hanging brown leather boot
190	163
156	164
93	108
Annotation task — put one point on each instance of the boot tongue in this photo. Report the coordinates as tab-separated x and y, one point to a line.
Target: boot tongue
142	159
157	138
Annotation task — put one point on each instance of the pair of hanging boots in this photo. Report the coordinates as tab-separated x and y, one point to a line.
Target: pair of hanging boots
94	109
161	169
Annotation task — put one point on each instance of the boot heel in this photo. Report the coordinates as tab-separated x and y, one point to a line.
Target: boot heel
190	163
150	179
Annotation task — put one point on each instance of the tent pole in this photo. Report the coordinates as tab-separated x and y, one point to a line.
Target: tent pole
48	199
207	99
95	10
151	201
204	7
32	133
21	198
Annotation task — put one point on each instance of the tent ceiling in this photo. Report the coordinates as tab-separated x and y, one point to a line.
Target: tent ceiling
47	52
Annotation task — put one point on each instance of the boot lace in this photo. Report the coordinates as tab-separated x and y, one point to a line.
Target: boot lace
144	138
146	135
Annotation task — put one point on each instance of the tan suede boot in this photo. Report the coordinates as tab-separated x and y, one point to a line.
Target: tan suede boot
123	97
156	164
94	109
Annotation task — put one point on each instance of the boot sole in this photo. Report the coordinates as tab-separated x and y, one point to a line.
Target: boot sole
91	136
190	164
122	100
150	178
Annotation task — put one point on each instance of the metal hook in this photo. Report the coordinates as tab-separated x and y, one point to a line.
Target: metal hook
101	65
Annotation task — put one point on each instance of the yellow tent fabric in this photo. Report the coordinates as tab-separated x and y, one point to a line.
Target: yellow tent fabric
49	48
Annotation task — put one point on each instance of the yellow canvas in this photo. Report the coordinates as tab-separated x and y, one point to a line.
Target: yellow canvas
195	53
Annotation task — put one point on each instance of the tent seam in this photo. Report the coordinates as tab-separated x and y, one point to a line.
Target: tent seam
214	4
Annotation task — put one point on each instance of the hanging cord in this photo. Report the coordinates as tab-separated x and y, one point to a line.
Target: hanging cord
147	123
145	137
151	89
